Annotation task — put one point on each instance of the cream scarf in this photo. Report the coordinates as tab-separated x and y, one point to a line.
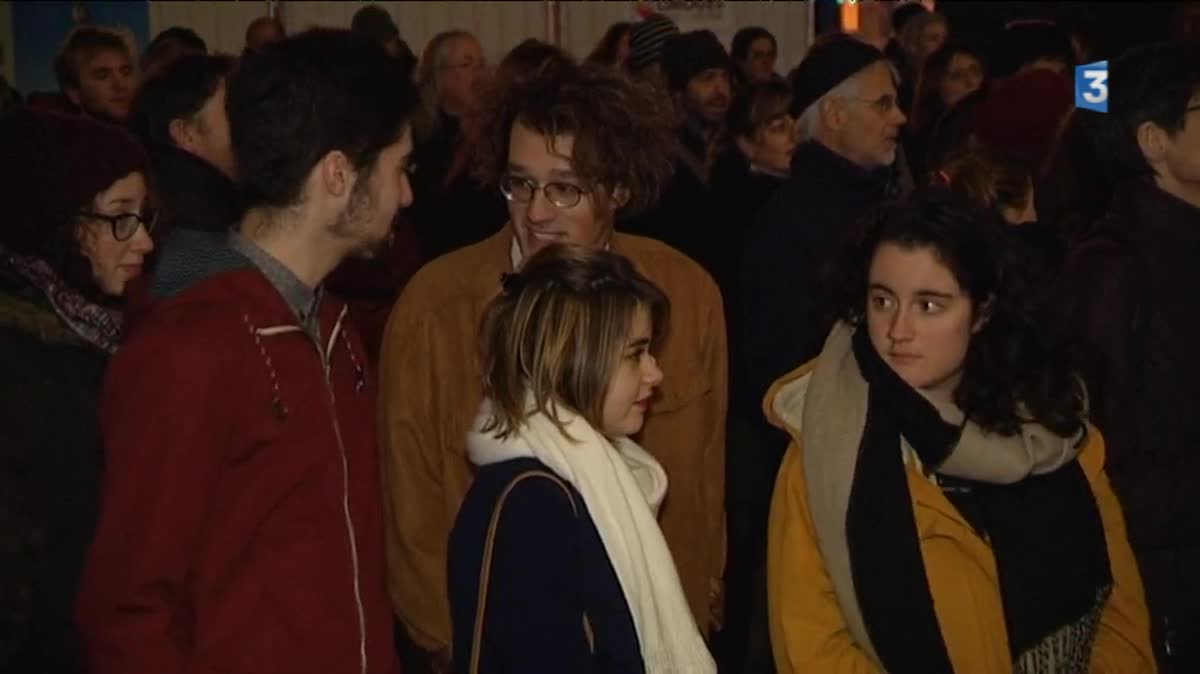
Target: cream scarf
622	487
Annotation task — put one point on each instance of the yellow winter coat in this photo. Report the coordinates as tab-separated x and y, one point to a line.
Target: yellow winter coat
809	634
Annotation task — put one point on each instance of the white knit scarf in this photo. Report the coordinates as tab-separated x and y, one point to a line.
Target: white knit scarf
622	487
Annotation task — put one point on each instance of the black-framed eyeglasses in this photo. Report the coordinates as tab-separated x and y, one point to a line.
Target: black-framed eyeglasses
125	225
518	188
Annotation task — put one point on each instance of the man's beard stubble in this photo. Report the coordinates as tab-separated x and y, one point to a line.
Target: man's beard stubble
354	223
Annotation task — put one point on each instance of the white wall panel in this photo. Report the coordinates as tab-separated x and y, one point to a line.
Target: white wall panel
221	24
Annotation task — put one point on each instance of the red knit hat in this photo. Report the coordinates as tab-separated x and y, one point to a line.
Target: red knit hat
54	165
1023	113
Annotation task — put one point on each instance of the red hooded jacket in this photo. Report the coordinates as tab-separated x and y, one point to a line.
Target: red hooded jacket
241	526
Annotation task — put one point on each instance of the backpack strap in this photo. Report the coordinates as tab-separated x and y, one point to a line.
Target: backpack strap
485	568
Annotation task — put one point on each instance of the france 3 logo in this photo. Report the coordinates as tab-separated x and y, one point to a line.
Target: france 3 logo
1091	86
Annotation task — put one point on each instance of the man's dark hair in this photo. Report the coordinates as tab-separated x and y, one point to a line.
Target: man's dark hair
81	44
623	130
186	37
739	49
177	93
306	96
1153	83
373	22
524	62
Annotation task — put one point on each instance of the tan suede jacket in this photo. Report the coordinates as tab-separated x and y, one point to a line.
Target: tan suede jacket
430	389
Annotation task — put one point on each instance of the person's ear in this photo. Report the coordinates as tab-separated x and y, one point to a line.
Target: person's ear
620	196
336	173
1152	141
833	113
181	133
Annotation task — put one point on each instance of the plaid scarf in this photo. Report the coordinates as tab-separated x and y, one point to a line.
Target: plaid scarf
97	325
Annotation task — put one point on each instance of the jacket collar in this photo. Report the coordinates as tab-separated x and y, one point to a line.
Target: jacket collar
193	194
1158	219
515	258
301	299
815	163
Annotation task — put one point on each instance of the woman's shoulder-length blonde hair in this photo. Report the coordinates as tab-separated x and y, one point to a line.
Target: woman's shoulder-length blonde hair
556	331
433	59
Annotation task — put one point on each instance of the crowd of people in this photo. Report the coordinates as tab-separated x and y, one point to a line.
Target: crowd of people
334	357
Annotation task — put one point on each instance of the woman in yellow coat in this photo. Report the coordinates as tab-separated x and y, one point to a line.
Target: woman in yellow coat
943	505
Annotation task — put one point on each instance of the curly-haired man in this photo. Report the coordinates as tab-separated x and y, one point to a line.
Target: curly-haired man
570	150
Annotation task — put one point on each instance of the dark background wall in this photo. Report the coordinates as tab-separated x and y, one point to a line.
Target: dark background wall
1114	25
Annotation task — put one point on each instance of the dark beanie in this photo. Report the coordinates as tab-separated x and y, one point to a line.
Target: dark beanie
646	40
686	55
54	167
374	23
827	65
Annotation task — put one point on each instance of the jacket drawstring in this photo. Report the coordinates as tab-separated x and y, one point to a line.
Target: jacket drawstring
277	404
281	411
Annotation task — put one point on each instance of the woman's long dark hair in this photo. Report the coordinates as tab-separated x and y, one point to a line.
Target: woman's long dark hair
605	52
927	99
1013	373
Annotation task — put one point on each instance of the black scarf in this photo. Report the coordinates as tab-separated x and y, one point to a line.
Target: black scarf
1045	533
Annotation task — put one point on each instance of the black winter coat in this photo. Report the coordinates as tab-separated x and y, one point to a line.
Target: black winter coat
50	464
798	234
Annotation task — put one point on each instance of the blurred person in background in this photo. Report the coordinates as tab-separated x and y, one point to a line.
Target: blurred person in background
169	45
95	72
263	31
613	48
754	52
451	209
946	92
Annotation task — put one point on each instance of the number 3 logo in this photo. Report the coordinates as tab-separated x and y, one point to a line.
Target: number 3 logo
1091	86
1098	83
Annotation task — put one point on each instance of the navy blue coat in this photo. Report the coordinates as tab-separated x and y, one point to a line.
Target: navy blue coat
548	569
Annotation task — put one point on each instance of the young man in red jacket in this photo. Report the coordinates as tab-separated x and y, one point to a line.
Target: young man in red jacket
241	526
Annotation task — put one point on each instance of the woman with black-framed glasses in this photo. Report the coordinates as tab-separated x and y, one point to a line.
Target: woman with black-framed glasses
73	234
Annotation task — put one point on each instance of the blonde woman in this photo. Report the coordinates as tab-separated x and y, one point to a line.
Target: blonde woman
556	562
